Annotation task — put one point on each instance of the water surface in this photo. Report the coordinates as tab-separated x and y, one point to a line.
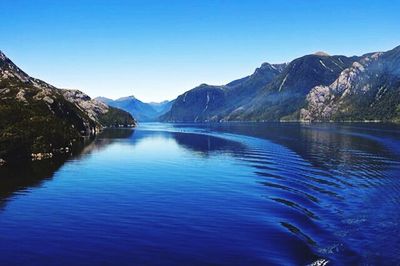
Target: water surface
210	194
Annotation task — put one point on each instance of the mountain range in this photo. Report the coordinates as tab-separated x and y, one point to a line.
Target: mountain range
38	120
316	87
143	112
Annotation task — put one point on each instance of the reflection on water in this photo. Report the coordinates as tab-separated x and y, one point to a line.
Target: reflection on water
240	193
18	178
21	176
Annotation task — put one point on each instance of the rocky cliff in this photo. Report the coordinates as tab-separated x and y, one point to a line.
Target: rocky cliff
316	87
38	118
367	90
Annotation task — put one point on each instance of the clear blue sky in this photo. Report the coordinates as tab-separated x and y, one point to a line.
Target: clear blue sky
156	50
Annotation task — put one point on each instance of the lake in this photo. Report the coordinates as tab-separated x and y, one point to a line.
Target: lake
210	194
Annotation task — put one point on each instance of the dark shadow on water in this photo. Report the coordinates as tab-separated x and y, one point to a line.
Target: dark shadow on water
206	144
15	178
303	196
327	146
21	176
348	172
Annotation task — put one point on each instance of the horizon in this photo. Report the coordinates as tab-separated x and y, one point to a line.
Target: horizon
222	132
156	51
174	98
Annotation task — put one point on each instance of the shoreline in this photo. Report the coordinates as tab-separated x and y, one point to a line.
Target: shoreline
283	121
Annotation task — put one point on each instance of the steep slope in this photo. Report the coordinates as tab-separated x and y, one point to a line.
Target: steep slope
215	103
368	90
98	111
198	104
35	117
143	112
287	92
271	93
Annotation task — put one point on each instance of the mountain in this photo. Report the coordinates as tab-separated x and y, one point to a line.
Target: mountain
143	112
316	87
215	103
38	120
105	115
104	100
286	93
367	90
162	107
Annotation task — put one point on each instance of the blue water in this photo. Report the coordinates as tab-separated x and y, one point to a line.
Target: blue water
210	194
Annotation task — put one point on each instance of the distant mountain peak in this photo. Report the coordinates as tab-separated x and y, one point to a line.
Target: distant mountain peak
203	85
321	53
141	110
131	97
103	99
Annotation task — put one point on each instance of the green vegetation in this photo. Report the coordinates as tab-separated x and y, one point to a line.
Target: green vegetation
116	117
30	127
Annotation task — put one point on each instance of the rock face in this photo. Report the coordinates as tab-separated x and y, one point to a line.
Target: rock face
92	108
368	90
316	87
36	117
98	111
285	95
272	92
